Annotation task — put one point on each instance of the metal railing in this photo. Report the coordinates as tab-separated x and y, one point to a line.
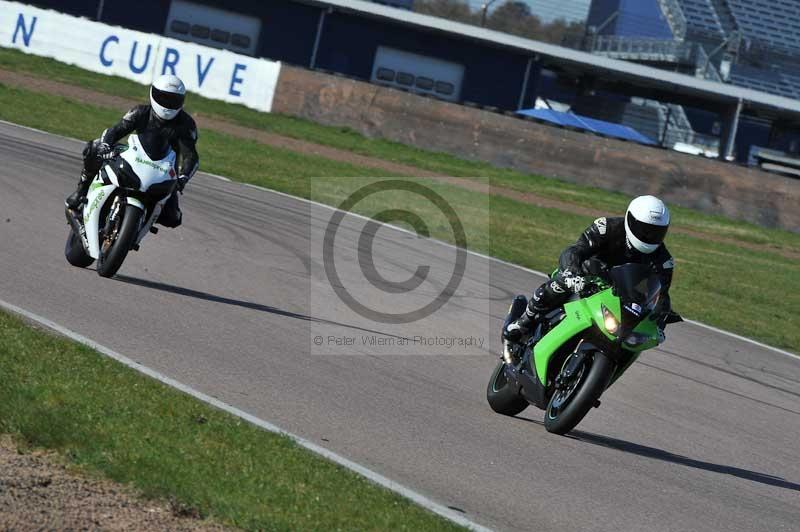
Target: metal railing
647	49
642	48
675	17
704	68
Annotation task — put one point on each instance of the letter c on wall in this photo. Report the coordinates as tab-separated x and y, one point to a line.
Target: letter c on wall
109	39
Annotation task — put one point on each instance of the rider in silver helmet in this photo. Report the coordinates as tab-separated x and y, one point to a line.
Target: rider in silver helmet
160	125
609	241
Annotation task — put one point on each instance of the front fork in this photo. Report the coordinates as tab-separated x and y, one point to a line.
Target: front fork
110	229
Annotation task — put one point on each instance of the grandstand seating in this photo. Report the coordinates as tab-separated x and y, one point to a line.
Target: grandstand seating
769	55
749	43
771	81
774	21
701	15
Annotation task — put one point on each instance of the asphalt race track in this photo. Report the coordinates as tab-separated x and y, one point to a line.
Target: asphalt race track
701	435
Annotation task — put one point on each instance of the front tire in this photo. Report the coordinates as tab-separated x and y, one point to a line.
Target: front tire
110	260
592	383
503	397
75	252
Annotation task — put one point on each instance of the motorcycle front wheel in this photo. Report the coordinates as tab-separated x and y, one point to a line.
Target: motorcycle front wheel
569	404
115	247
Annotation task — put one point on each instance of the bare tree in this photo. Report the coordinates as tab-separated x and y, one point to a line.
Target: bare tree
457	10
512	16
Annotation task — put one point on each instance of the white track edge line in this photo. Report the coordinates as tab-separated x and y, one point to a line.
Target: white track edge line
506	263
369	474
477	254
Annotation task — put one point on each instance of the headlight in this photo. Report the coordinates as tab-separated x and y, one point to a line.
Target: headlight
609	320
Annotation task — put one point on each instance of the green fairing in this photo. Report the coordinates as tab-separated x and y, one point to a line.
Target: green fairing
580	315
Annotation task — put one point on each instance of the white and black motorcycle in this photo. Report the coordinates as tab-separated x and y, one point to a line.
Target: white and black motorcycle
123	203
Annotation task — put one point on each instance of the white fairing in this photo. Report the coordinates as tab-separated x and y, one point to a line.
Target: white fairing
150	172
97	197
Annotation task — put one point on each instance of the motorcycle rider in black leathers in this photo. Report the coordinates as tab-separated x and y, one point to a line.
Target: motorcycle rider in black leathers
162	123
608	242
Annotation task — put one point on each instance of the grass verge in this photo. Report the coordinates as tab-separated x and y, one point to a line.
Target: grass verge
442	163
109	419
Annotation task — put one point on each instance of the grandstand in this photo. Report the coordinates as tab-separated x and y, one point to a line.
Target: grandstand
753	44
760	38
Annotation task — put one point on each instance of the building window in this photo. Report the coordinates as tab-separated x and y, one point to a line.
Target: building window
200	32
179	26
220	36
404	78
424	83
385	74
442	87
242	41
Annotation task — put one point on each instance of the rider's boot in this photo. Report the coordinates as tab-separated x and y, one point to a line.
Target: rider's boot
515	330
79	196
513	334
523	326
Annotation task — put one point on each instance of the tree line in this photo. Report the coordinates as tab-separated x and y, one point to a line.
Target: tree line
512	16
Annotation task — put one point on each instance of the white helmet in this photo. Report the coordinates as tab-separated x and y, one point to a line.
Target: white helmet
167	95
646	223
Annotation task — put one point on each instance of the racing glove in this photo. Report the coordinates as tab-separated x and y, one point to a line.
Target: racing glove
182	181
594	266
105	151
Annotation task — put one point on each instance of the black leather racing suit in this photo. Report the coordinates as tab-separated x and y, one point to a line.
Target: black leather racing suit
180	133
605	240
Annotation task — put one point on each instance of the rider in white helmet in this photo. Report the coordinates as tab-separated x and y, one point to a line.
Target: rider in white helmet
159	125
608	242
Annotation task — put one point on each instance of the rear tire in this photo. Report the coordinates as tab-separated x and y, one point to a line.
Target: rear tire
589	391
502	396
75	252
110	262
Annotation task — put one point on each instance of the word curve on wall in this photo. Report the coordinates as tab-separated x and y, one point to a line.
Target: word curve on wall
210	72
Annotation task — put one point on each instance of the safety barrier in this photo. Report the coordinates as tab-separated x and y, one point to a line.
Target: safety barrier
213	73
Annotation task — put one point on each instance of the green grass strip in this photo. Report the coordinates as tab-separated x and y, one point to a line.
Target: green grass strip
108	418
442	163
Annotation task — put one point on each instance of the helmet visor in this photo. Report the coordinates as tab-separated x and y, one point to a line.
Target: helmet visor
647	233
170	100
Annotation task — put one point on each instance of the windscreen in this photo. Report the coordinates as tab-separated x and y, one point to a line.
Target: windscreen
636	283
155	144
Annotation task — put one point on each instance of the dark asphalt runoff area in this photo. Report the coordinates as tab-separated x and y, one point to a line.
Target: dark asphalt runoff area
702	434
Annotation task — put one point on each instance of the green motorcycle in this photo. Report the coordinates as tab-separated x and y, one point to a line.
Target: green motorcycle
576	352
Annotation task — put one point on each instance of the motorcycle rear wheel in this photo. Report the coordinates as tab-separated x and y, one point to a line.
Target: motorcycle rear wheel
591	384
110	261
502	396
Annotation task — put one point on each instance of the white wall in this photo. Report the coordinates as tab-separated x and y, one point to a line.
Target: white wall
216	74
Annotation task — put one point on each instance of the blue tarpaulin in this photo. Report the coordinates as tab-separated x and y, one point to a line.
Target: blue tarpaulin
589	124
